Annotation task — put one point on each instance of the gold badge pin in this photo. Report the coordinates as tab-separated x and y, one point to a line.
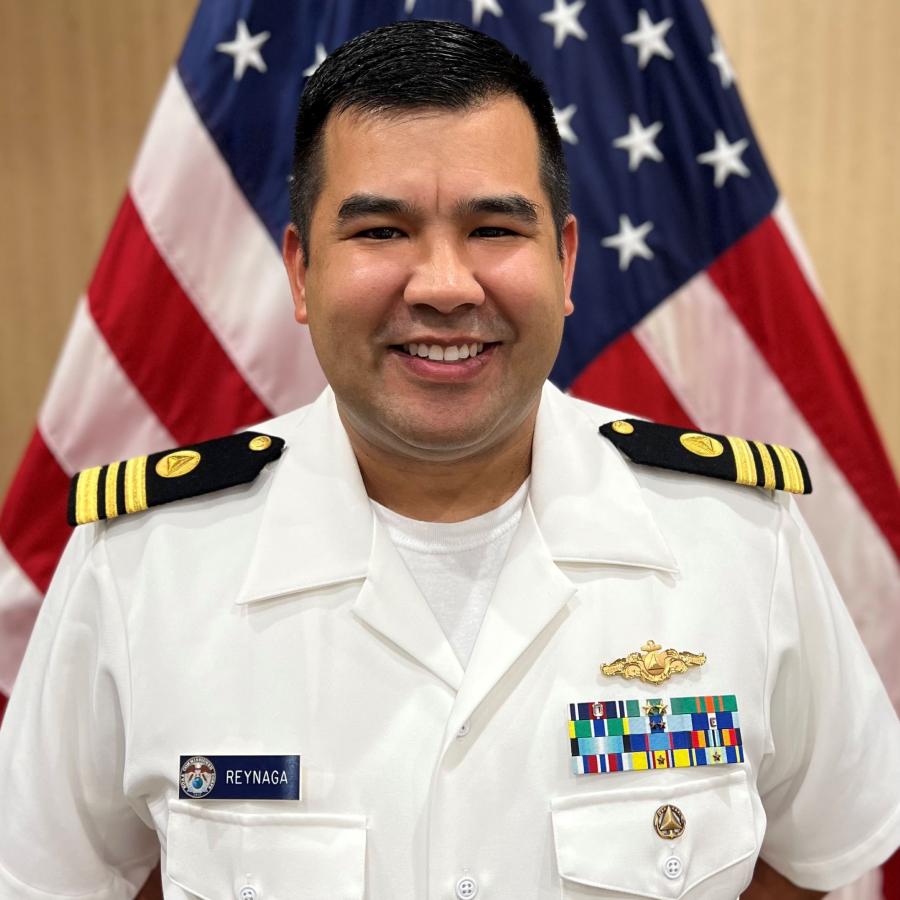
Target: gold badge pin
653	664
261	442
621	427
702	444
669	822
179	463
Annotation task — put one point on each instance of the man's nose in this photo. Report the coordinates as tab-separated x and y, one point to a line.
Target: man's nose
443	278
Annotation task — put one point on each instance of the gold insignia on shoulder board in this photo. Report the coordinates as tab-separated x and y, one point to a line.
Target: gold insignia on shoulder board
179	463
260	442
623	427
702	444
653	664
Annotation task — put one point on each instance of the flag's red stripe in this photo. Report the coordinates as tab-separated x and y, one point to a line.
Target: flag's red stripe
890	877
162	342
624	377
3	701
33	519
760	278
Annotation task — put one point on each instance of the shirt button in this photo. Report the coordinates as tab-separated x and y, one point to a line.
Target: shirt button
248	892
673	867
466	888
461	733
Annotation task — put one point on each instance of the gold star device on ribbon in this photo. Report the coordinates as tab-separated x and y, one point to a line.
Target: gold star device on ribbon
653	664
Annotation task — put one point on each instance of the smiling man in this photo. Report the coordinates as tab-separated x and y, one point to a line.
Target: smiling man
467	636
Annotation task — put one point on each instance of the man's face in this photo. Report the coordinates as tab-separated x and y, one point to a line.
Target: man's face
433	234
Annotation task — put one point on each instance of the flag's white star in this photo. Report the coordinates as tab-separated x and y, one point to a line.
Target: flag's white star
630	242
726	158
245	48
409	6
650	38
640	142
564	20
719	58
564	123
480	7
321	56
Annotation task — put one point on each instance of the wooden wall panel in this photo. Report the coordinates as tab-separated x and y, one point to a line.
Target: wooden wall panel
78	81
819	79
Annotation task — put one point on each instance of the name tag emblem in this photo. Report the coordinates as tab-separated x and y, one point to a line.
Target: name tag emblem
239	778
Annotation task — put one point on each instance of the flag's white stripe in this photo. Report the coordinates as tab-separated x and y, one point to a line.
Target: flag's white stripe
788	227
19	602
721	379
866	888
92	413
223	257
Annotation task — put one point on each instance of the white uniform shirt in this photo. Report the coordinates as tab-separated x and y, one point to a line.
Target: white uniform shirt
456	564
276	618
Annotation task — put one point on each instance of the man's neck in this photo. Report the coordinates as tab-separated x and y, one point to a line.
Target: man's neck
445	491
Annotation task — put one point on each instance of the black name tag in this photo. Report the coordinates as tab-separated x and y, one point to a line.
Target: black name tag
239	778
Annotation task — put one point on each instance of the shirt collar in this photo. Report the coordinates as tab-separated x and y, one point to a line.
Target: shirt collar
316	528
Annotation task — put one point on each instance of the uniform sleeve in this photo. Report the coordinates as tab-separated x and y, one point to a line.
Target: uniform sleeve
830	781
66	827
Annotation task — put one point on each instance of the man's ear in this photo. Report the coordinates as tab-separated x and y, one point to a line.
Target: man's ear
569	252
295	265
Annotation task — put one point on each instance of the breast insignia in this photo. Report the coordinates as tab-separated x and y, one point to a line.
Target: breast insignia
133	485
724	456
653	664
669	822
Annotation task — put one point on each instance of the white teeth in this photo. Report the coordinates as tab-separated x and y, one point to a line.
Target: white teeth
444	354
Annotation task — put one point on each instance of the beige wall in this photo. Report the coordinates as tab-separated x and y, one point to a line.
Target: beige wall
78	80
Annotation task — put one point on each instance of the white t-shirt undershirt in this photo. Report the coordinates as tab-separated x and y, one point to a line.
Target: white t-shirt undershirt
456	564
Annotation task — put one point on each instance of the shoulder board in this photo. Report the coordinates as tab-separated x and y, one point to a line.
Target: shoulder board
716	455
133	485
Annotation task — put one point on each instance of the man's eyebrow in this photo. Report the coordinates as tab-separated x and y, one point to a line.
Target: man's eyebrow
356	206
514	205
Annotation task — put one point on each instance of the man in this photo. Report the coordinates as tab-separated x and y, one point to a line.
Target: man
417	656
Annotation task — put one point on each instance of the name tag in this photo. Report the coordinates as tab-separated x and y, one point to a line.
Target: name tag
239	778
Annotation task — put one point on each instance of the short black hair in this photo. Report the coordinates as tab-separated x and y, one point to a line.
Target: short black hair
412	65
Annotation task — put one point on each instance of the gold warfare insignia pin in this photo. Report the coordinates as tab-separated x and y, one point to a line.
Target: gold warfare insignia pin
669	822
653	664
179	463
702	444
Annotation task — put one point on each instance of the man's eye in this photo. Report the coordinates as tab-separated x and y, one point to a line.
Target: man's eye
492	231
385	233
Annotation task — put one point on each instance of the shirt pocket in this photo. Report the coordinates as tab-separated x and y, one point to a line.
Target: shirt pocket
607	844
214	853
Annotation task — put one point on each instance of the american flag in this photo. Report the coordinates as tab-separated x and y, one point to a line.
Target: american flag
695	301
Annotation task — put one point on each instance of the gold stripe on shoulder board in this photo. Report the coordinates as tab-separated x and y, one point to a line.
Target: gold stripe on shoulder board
86	496
136	484
790	469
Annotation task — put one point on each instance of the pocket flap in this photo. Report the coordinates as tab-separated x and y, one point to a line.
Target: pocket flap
608	839
213	853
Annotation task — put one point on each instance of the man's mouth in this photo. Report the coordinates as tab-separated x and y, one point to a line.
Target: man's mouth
445	352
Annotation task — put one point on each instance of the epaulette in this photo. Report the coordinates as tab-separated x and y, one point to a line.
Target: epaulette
133	485
717	455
